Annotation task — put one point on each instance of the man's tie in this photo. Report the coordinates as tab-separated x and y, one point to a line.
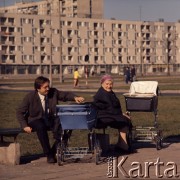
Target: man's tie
45	104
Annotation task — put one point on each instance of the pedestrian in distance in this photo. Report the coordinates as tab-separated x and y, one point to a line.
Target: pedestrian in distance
133	73
76	78
127	75
86	75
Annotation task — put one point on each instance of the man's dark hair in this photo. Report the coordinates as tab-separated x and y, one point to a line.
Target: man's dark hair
39	81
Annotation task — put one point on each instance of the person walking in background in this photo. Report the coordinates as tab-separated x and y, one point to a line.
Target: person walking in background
86	72
37	113
86	75
127	75
76	77
133	73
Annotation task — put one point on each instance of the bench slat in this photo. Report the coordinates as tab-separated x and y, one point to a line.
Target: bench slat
10	132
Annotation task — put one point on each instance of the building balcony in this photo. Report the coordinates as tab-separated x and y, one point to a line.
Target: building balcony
12	52
9	61
3	52
43	53
10	42
5	33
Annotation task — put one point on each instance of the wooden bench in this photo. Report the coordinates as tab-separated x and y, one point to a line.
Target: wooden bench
10	132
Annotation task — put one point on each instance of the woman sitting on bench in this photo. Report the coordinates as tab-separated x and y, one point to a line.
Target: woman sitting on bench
109	113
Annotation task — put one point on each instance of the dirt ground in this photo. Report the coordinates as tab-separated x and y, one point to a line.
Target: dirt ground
147	162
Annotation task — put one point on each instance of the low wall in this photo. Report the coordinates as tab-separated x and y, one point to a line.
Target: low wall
10	153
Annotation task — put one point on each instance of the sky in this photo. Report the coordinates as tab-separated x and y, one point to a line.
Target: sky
145	10
135	10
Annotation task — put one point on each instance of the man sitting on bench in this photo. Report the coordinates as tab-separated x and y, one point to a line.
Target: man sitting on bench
37	110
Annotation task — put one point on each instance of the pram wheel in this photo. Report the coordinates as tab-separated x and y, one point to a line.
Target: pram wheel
97	151
60	153
129	140
62	146
158	141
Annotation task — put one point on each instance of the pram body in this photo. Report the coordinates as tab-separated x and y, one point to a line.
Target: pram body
74	117
143	97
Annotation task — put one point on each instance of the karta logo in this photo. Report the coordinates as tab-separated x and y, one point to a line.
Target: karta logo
142	170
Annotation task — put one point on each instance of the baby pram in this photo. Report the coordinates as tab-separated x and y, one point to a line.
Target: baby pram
143	97
77	117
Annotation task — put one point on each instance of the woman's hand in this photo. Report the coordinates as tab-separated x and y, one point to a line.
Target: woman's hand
28	129
127	115
79	99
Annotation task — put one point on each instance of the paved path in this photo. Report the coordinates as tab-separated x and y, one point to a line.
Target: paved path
87	169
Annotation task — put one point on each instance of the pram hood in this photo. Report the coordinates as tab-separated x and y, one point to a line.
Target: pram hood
143	88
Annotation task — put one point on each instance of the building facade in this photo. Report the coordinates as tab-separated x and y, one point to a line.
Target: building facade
67	8
51	43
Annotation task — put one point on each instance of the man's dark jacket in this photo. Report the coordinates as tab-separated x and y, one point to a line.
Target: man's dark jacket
31	108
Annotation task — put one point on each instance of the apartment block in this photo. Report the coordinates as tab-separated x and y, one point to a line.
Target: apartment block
51	43
67	8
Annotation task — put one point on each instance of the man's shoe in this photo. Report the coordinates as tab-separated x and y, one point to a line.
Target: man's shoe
50	159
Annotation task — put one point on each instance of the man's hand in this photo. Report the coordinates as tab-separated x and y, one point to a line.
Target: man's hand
79	99
28	129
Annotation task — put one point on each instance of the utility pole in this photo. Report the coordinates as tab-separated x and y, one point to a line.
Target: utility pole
90	8
50	64
60	43
141	46
140	13
141	58
168	60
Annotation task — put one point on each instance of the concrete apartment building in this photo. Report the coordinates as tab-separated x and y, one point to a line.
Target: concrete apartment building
37	39
67	8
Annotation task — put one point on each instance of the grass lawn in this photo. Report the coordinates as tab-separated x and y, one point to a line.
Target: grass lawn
168	114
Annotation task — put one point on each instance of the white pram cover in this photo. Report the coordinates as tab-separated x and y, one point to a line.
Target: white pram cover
142	96
143	88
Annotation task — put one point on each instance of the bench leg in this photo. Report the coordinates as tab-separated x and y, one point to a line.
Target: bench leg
2	138
10	153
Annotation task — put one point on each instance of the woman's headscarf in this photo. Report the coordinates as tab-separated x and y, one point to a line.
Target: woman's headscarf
106	77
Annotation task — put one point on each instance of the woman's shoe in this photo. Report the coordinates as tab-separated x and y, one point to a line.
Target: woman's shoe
130	150
51	159
121	150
